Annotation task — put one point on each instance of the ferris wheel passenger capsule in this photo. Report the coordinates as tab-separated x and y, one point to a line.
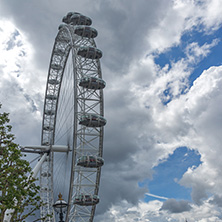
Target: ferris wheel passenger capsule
51	97
59	52
78	19
75	18
63	39
66	19
92	120
89	52
48	128
45	174
85	31
86	199
90	161
61	26
53	81
56	66
92	83
50	112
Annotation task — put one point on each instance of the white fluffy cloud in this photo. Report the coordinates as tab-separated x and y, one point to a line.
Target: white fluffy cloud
147	212
192	119
21	82
181	17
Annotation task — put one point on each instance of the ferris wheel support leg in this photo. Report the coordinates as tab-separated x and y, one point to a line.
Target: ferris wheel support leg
38	165
9	212
8	215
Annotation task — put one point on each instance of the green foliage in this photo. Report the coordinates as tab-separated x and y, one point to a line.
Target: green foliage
18	190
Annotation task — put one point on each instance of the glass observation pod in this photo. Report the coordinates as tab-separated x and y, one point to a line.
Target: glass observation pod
90	161
92	83
51	97
63	39
53	81
85	31
86	199
48	128
75	18
50	112
61	26
66	19
59	52
92	120
56	66
46	174
90	52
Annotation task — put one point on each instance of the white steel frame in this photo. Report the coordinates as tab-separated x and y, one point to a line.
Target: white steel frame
86	141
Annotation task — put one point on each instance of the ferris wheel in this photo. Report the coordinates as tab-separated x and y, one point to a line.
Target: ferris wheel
73	119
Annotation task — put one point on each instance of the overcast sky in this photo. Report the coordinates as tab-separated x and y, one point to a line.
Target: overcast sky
162	63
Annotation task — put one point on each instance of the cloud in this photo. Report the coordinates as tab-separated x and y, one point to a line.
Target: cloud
141	130
20	84
216	200
195	52
152	211
204	113
178	124
175	206
211	14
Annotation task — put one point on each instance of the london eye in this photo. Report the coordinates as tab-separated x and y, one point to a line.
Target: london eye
73	119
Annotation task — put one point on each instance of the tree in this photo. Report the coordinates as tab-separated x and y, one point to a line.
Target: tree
18	190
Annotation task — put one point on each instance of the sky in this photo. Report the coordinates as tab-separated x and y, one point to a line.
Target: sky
162	64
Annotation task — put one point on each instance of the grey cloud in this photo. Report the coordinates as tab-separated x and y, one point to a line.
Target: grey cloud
216	200
122	26
37	22
114	188
175	206
12	89
32	103
199	193
125	27
22	109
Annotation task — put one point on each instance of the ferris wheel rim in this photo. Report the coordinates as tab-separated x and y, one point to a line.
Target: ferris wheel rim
70	48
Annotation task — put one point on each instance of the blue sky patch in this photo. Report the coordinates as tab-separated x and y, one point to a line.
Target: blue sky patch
173	54
165	175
